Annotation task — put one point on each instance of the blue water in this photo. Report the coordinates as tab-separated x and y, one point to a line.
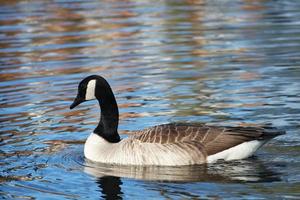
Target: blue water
219	62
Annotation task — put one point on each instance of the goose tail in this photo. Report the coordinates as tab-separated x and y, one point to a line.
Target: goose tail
271	132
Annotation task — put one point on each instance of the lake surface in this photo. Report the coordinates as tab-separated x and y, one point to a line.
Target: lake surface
219	62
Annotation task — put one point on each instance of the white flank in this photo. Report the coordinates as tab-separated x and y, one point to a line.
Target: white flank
90	90
237	152
132	152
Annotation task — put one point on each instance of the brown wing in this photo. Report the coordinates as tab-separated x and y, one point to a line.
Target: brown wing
214	139
171	133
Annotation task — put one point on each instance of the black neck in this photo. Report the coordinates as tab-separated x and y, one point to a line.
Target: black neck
109	119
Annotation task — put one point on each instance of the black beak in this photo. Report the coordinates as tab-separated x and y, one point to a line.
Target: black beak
76	102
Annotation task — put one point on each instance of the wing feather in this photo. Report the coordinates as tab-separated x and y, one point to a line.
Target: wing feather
211	139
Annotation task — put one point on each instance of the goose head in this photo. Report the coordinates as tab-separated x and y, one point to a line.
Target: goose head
92	87
86	90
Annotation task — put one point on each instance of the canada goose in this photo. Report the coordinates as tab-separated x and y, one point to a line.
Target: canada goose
165	145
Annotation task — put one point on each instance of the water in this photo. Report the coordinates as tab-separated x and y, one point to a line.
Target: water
219	62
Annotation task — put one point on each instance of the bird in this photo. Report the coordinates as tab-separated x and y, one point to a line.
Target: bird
172	144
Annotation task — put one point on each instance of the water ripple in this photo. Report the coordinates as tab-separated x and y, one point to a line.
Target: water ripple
225	62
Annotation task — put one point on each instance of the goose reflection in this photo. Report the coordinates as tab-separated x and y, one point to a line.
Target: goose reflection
110	187
250	170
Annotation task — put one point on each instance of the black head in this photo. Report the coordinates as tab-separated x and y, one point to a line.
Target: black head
87	89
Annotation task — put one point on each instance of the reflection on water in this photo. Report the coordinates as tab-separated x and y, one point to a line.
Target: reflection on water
110	187
251	170
220	62
246	171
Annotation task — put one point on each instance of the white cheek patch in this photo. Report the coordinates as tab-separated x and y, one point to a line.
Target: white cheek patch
90	90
